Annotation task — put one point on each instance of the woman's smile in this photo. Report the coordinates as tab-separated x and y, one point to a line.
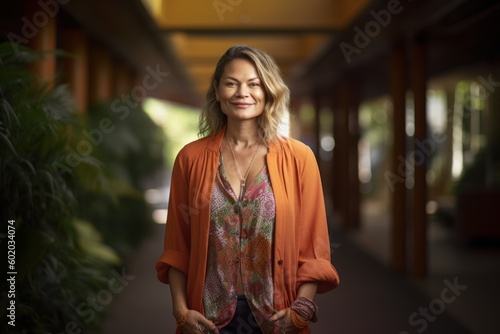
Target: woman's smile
242	105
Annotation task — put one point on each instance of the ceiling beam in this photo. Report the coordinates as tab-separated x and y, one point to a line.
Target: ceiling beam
243	31
292	47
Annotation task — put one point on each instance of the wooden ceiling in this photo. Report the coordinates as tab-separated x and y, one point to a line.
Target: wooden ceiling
292	31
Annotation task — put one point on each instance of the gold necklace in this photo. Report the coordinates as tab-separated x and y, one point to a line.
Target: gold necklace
243	179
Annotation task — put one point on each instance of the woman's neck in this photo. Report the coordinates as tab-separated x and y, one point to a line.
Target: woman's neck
243	133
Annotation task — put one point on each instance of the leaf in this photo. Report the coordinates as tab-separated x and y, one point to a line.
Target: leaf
24	177
9	112
90	241
30	166
9	144
50	178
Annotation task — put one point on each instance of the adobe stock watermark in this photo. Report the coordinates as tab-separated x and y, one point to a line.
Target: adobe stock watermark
31	26
406	167
372	29
120	106
420	319
225	6
428	146
94	304
488	84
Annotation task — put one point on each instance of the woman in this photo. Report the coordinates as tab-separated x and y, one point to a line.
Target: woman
246	240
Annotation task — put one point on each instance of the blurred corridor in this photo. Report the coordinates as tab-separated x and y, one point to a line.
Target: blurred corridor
370	299
398	99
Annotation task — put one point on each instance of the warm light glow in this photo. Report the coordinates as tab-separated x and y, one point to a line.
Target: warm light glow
327	143
154	7
284	128
160	216
458	156
410	128
436	111
431	207
153	196
364	162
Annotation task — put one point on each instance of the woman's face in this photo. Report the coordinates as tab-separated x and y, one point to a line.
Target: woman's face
240	91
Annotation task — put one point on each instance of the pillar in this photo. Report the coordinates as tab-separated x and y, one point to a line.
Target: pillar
419	76
337	152
294	126
101	83
317	122
397	174
492	107
354	185
45	39
123	79
76	65
346	178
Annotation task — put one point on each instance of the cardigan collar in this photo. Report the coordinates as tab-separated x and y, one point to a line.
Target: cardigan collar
216	139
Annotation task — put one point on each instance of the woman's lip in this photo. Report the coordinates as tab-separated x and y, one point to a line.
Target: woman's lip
242	104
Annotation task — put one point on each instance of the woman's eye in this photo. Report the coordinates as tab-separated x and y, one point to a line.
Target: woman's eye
230	84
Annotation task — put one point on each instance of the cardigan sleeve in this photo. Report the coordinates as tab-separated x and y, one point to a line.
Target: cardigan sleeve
314	253
177	230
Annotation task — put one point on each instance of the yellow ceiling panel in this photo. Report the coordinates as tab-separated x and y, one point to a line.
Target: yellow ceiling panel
256	14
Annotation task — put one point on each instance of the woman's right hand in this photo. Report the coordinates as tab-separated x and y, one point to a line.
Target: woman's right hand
196	323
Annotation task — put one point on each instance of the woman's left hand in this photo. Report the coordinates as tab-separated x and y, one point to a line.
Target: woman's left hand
282	319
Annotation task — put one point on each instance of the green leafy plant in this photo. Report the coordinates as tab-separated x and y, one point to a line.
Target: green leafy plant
78	206
37	129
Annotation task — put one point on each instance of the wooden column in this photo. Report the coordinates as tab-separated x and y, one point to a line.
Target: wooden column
341	154
354	186
492	100
397	174
295	105
43	40
421	156
123	79
317	121
101	83
337	162
76	65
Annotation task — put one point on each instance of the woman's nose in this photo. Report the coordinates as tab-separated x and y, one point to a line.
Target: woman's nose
242	91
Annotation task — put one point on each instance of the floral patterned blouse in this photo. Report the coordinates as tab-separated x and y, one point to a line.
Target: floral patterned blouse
240	240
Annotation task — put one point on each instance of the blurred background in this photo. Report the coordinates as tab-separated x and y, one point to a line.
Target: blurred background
399	100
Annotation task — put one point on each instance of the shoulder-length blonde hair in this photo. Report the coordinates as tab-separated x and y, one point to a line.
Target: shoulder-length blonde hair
212	119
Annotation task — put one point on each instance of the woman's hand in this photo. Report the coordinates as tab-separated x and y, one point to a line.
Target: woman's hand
283	320
196	323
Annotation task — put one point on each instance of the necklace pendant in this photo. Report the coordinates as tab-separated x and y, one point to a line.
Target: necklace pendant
242	190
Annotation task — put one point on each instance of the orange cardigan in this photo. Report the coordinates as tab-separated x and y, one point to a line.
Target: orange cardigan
301	243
